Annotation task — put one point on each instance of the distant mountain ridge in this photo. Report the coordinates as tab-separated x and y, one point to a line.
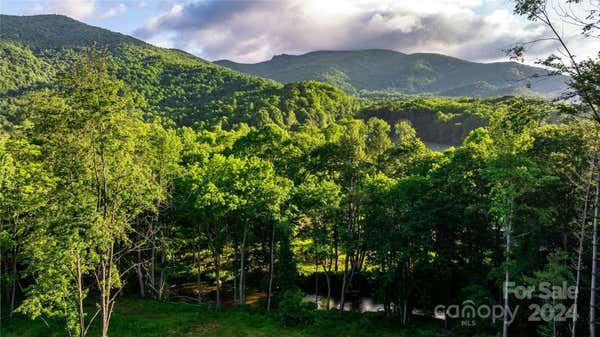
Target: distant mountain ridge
372	70
175	85
177	88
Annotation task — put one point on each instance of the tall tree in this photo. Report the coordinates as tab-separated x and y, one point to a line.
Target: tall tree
584	85
511	175
89	131
24	186
319	202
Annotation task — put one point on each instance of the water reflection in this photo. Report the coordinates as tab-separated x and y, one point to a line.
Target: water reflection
360	304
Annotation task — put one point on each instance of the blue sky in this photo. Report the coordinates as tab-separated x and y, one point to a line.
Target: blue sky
122	19
253	31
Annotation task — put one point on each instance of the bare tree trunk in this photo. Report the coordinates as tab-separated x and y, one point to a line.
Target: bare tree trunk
81	312
271	269
235	271
327	278
152	278
344	281
594	254
235	285
345	277
13	291
199	278
162	279
218	277
584	219
316	269
316	283
505	294
335	245
104	284
242	265
508	226
140	273
405	312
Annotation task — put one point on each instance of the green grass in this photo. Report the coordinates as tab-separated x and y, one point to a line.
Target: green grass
146	318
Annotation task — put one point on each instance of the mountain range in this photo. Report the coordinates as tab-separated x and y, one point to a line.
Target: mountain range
175	85
367	71
182	89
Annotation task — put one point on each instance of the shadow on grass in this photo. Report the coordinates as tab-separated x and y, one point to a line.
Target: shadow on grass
148	318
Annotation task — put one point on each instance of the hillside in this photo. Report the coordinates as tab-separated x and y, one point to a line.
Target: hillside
43	32
175	84
190	91
365	71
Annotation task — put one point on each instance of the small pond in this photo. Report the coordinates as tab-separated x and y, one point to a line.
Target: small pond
360	304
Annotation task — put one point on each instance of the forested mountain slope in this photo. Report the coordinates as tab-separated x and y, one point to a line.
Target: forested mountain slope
181	87
175	84
362	71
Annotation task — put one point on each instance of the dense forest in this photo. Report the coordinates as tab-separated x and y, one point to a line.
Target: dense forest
373	72
196	93
144	190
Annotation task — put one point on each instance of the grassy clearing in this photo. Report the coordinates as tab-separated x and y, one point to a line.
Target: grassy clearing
146	318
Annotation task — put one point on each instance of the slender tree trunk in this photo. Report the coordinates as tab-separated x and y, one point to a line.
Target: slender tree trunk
316	283
271	269
235	285
140	276
404	312
584	219
505	292
328	279
81	312
13	291
242	265
140	273
152	278
335	246
508	223
344	281
594	254
105	283
104	299
199	278
316	268
345	277
162	279
218	277
138	268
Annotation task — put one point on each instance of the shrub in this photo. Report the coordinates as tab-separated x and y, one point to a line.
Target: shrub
293	310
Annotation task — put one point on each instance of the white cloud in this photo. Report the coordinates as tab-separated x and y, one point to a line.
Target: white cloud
77	9
114	11
251	31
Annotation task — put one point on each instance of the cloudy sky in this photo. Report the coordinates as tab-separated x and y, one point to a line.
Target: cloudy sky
253	31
